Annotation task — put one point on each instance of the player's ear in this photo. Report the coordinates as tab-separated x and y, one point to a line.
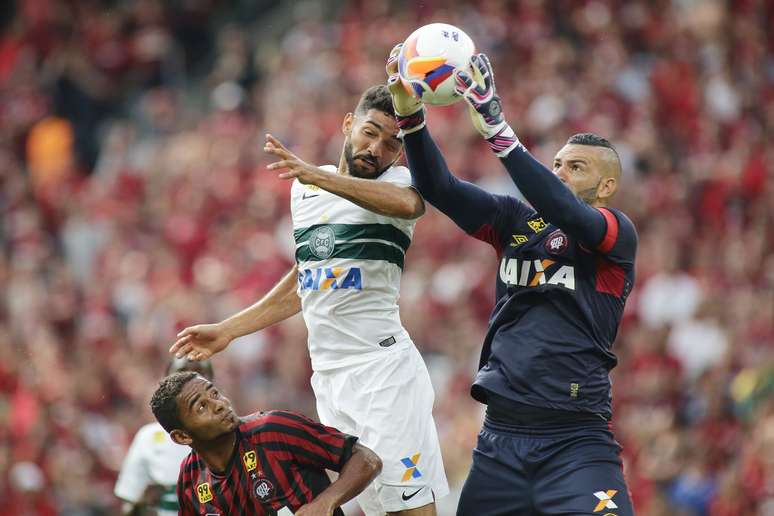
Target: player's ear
346	125
607	188
181	437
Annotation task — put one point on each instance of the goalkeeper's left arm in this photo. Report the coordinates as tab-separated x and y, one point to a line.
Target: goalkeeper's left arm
544	191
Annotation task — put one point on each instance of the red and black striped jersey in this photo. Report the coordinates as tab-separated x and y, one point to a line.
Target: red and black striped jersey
279	461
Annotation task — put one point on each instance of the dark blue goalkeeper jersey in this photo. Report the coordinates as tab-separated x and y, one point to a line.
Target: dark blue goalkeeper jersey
565	271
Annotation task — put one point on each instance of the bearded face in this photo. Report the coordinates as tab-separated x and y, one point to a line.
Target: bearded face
372	145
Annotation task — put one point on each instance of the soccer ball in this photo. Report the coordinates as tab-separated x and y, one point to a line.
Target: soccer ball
428	59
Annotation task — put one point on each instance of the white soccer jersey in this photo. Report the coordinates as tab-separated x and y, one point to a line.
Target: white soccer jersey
349	266
153	458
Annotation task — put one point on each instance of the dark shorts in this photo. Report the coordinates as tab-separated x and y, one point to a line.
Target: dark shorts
547	471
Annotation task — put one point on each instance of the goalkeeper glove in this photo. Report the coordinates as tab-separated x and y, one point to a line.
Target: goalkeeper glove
486	110
409	110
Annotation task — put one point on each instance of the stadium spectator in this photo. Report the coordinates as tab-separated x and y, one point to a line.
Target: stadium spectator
166	216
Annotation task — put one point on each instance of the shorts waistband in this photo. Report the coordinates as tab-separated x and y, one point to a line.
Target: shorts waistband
504	414
544	430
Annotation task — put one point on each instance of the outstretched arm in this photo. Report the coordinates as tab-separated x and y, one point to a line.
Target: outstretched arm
380	197
552	200
473	209
469	206
204	340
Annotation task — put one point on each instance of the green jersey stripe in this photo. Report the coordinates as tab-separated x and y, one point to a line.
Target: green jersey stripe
169	506
386	232
361	251
360	241
168	500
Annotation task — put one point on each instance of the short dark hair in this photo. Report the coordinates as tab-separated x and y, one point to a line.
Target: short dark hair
591	139
376	97
594	140
163	403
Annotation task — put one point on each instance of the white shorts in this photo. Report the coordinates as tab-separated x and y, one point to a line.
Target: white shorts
388	405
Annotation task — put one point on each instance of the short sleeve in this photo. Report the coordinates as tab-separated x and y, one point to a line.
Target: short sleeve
311	443
134	476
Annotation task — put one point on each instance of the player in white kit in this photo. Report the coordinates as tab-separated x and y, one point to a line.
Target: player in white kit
352	225
147	481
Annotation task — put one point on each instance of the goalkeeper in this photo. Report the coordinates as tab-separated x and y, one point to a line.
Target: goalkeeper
566	267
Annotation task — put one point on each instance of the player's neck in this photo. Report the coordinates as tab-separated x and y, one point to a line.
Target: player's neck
218	452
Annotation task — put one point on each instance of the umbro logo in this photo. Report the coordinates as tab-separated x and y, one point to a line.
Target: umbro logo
518	240
409	497
309	196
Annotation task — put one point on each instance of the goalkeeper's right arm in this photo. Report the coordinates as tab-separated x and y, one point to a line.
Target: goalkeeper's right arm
469	206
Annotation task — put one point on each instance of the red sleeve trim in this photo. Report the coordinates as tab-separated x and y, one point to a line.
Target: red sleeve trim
610	278
611	234
486	233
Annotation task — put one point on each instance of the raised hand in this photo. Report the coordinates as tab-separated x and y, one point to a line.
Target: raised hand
200	342
296	167
409	110
486	110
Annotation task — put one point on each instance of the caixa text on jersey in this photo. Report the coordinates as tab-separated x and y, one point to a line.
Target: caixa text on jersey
330	278
531	273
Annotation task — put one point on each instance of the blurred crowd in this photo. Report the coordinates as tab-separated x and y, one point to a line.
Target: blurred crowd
135	201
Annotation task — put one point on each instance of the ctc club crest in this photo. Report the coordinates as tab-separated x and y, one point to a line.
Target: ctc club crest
263	489
322	241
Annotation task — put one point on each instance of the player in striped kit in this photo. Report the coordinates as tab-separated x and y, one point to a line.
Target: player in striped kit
352	225
267	463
